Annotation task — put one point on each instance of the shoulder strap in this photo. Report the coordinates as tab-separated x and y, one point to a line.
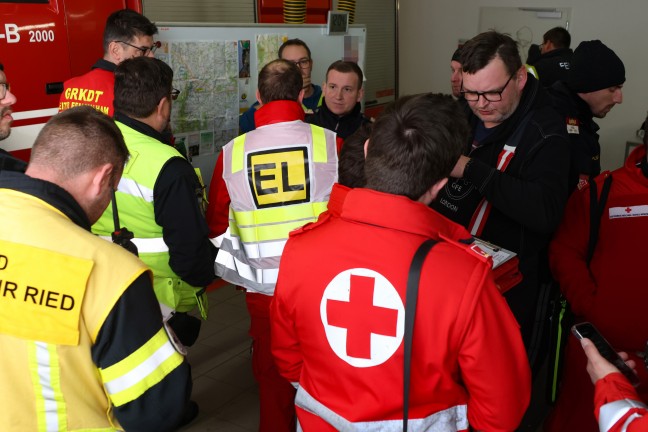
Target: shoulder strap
596	212
411	297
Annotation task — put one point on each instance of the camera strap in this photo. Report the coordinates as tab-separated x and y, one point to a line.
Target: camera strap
411	298
121	236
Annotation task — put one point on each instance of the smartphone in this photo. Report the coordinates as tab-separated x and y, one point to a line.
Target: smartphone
587	330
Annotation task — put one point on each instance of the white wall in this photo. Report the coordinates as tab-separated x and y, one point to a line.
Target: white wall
429	31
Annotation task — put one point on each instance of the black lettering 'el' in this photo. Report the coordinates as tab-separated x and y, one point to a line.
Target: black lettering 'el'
285	181
258	178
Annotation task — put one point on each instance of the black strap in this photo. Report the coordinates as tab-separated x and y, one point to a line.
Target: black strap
114	211
411	297
596	212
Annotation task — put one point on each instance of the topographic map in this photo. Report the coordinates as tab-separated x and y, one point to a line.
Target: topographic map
205	115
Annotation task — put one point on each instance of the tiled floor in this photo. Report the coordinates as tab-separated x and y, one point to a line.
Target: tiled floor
224	387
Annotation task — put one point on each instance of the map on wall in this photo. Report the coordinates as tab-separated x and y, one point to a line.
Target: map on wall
205	115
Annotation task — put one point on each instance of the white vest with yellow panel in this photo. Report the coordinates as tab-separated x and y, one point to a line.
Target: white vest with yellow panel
279	177
58	285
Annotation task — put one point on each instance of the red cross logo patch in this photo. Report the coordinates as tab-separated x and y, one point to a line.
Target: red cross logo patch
363	317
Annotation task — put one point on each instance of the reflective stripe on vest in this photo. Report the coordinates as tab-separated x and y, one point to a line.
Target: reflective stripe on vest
251	248
46	378
146	245
451	419
612	412
128	379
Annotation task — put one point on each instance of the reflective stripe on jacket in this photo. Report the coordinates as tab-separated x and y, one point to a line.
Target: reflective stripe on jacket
451	419
279	178
136	212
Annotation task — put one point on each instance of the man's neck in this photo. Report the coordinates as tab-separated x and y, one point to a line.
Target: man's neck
308	91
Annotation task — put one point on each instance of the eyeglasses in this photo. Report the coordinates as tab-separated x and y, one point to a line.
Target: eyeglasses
303	63
4	88
175	93
490	96
144	50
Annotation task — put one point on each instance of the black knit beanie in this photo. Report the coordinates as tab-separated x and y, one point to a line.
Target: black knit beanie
594	67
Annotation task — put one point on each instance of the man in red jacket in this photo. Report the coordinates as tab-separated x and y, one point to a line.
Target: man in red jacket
610	291
127	34
337	317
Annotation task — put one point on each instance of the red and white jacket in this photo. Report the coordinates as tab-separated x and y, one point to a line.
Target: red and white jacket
617	406
338	322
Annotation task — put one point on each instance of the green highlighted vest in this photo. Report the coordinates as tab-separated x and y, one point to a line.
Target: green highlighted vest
135	205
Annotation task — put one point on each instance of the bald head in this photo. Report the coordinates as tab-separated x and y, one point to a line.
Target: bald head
280	80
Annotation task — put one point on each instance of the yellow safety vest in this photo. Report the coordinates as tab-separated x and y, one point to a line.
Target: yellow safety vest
279	177
135	206
58	286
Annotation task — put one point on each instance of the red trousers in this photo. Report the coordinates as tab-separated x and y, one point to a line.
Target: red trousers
276	394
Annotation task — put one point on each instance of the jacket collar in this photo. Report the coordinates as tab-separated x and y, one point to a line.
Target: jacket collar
104	65
140	127
355	112
393	212
278	112
51	193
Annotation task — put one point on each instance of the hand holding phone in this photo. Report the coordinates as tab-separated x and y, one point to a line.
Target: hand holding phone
587	330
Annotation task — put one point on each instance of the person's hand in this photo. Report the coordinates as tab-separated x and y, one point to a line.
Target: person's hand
597	366
458	170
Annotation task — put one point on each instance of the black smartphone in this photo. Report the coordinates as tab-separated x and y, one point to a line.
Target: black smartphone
587	330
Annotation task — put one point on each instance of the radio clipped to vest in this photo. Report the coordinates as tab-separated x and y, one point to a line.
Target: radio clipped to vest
122	236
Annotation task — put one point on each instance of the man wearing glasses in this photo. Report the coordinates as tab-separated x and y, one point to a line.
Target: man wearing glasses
510	185
7	99
295	51
127	34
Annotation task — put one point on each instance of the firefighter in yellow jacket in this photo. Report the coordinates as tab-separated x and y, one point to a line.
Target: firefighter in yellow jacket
81	335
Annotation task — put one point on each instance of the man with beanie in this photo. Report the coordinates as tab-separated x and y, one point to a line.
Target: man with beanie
593	88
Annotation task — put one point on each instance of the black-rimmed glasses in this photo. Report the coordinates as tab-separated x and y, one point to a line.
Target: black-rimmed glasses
175	93
490	96
144	50
4	88
303	63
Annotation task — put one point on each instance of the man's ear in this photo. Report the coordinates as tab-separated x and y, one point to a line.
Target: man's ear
115	52
98	180
366	146
258	97
521	77
300	98
360	94
431	194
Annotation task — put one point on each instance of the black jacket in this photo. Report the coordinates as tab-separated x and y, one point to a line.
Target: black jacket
527	199
582	131
342	126
553	66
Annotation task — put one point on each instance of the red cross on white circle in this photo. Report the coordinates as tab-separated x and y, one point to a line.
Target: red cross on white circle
363	317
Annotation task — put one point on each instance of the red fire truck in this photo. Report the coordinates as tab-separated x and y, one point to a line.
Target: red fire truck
42	44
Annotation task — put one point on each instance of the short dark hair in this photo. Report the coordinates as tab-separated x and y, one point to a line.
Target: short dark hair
479	51
1	67
295	42
346	67
124	25
558	36
352	158
280	80
78	140
140	84
415	142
